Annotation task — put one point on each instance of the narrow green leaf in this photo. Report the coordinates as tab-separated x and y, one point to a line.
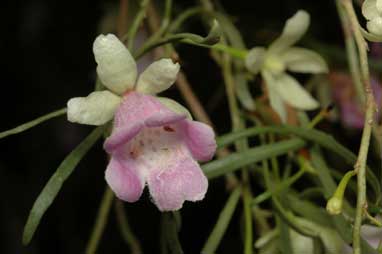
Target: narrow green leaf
100	221
284	240
313	135
309	210
51	189
323	172
220	228
235	161
32	123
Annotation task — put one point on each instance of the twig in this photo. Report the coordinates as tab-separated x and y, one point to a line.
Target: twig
360	166
136	23
122	17
101	220
351	52
125	229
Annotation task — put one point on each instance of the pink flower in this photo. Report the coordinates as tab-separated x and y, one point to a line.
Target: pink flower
344	94
154	140
151	144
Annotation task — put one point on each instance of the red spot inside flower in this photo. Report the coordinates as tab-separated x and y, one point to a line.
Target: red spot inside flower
134	153
168	128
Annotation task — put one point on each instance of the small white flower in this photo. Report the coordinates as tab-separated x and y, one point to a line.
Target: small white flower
280	56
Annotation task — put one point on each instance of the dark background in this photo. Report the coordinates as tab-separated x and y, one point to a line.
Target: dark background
46	58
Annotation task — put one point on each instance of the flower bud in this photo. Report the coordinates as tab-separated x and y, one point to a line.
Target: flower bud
334	205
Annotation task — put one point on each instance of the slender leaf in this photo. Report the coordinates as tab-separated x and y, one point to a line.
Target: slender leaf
125	229
309	210
313	135
51	189
32	123
238	160
100	221
220	228
285	242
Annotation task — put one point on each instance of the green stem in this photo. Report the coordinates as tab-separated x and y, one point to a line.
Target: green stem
372	219
220	228
360	166
340	191
318	118
334	204
241	145
351	52
167	14
136	23
232	51
178	22
125	229
32	123
101	221
235	52
154	39
171	242
247	197
191	39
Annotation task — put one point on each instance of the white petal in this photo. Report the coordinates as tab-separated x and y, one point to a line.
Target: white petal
370	36
369	9
254	59
304	60
95	109
274	64
116	67
293	93
175	106
159	76
274	98
243	92
375	26
295	27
